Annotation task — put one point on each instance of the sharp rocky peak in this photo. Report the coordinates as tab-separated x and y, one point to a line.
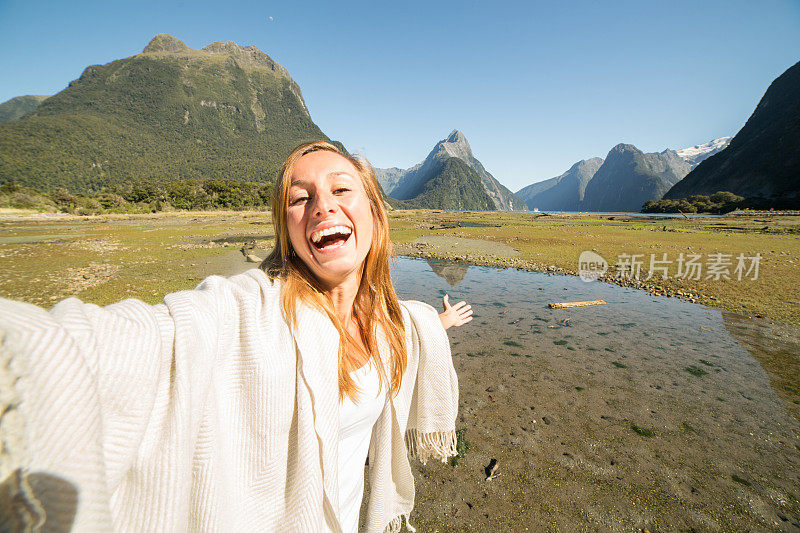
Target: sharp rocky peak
455	145
456	137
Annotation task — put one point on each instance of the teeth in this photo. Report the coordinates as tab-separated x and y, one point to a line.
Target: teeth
318	235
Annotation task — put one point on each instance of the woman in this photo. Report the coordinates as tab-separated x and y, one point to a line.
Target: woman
248	403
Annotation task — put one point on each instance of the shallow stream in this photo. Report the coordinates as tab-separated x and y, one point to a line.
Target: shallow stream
646	412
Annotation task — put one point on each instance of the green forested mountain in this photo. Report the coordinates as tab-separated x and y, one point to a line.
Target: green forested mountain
225	111
762	162
454	186
13	109
409	183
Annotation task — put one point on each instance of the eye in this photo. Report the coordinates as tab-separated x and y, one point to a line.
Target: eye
341	190
298	200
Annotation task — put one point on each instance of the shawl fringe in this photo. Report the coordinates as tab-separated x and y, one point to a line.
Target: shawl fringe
439	445
397	524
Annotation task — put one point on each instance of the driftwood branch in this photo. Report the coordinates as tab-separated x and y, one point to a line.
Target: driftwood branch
565	305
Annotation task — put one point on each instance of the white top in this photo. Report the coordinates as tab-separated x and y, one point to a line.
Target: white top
355	431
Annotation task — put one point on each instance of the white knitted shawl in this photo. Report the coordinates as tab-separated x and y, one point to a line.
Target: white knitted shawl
204	413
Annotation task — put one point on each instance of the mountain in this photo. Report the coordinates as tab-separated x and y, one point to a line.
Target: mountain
533	189
623	182
453	186
564	192
225	111
763	159
389	177
410	183
628	177
694	155
13	109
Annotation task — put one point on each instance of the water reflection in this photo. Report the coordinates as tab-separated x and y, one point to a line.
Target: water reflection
450	271
645	412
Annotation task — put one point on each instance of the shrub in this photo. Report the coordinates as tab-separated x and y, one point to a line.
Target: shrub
462	445
719	202
64	200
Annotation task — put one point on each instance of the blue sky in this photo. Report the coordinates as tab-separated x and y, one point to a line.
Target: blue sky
535	86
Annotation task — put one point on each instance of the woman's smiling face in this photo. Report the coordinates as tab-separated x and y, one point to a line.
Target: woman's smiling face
329	217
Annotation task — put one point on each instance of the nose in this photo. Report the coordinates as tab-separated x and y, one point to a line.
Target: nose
324	203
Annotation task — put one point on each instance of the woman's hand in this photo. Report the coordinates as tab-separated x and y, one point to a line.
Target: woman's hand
455	315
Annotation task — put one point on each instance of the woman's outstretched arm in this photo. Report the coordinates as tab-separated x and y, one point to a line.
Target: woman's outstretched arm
113	396
85	381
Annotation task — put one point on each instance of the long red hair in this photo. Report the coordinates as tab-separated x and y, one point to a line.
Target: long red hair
375	307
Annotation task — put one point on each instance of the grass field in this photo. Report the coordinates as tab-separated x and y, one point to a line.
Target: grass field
554	243
107	258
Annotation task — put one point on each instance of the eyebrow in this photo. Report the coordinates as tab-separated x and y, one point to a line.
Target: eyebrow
301	182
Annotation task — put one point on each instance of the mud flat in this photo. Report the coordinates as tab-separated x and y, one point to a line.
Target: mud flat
646	413
103	259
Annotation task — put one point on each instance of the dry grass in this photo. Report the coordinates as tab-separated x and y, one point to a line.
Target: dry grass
107	258
557	241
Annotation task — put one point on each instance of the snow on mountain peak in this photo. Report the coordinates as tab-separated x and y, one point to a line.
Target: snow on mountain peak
698	149
697	153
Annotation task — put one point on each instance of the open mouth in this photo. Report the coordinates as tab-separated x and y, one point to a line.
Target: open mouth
330	238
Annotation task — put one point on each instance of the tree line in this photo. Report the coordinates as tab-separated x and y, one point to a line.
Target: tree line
143	196
717	203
